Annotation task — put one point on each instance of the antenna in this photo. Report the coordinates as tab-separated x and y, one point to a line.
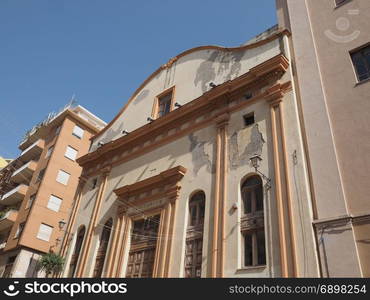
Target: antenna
73	100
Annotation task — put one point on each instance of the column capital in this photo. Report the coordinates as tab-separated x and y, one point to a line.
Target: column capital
275	94
222	120
82	179
106	170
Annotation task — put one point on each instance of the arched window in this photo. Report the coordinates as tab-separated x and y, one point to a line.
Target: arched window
252	195
102	251
194	236
76	252
252	222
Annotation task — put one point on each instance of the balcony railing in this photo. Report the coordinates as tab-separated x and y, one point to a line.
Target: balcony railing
24	173
8	219
15	195
32	151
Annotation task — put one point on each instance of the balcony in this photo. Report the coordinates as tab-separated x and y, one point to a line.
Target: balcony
24	173
15	195
32	151
8	219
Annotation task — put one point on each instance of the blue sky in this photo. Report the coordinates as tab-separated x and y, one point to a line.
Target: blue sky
102	50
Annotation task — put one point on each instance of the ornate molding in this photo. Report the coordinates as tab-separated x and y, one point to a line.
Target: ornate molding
197	113
151	193
279	34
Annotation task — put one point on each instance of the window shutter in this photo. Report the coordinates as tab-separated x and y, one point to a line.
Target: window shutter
63	177
44	232
71	153
78	132
54	203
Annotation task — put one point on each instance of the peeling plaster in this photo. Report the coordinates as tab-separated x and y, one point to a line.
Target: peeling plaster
143	94
199	156
228	66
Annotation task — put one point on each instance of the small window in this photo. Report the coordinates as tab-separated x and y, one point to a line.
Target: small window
78	132
44	232
19	230
361	62
71	153
63	177
54	203
41	175
340	2
252	195
164	104
248	119
49	152
94	183
30	201
57	130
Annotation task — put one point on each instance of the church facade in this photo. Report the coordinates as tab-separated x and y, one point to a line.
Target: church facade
202	173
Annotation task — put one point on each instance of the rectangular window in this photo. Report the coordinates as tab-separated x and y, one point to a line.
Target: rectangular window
54	203
164	104
19	230
340	2
57	130
361	62
30	201
50	151
78	132
71	153
63	177
249	119
44	232
94	183
41	175
254	248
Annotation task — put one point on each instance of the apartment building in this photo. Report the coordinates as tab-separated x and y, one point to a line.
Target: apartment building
4	162
330	45
37	188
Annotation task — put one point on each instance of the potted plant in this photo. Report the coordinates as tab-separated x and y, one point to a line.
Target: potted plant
51	263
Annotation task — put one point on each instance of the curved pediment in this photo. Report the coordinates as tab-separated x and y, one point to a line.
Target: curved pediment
191	74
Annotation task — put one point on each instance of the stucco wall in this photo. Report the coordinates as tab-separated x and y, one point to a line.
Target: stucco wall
191	75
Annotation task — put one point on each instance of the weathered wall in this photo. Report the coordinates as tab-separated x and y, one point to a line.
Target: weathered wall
191	75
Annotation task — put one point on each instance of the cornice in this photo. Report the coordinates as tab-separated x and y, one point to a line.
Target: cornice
278	34
171	176
272	68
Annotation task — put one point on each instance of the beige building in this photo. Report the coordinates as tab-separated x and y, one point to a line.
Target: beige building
330	43
169	188
37	188
237	162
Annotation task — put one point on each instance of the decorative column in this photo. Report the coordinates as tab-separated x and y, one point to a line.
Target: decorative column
218	242
282	186
163	238
173	196
76	206
92	225
121	246
113	251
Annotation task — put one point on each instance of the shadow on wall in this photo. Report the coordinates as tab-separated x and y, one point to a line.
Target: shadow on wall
33	268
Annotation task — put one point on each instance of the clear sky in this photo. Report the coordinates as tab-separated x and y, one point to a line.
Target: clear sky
102	50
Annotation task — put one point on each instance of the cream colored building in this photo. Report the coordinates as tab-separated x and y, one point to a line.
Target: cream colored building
38	187
168	189
237	162
331	45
